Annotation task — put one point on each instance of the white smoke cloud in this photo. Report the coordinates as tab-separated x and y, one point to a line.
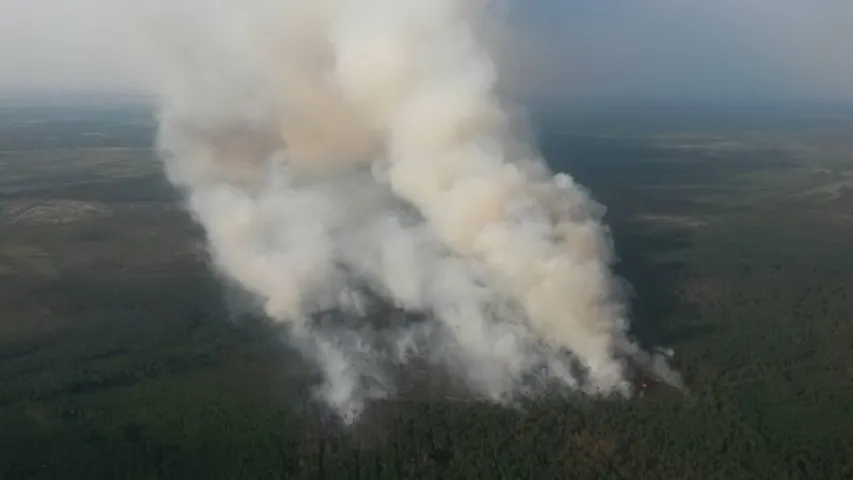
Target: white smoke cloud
339	147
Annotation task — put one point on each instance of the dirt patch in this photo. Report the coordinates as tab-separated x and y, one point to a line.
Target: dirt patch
596	446
55	212
831	191
672	220
17	259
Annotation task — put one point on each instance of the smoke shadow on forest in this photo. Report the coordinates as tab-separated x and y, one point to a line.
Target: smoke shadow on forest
654	305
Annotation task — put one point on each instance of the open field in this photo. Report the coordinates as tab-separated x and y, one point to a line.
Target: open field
119	357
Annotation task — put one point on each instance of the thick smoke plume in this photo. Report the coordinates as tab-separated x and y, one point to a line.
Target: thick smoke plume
339	150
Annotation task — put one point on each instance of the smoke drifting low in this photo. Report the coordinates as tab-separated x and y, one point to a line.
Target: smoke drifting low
339	150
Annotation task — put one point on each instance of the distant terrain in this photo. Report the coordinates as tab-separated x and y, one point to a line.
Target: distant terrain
121	357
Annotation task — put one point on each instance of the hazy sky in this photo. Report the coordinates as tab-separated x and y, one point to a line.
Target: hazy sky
627	48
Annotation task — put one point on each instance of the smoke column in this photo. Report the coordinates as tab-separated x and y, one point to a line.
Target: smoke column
337	148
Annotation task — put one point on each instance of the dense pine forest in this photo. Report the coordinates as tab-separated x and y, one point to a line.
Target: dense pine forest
120	357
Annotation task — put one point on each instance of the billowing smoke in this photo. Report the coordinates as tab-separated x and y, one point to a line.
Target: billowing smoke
339	151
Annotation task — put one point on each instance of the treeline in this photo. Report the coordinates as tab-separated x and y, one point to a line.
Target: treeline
438	441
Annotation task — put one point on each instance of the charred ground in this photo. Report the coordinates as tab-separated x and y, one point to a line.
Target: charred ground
122	358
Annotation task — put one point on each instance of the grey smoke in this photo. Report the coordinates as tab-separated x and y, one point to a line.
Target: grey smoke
331	148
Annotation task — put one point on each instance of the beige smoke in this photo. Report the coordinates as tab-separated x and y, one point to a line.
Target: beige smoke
330	144
430	87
